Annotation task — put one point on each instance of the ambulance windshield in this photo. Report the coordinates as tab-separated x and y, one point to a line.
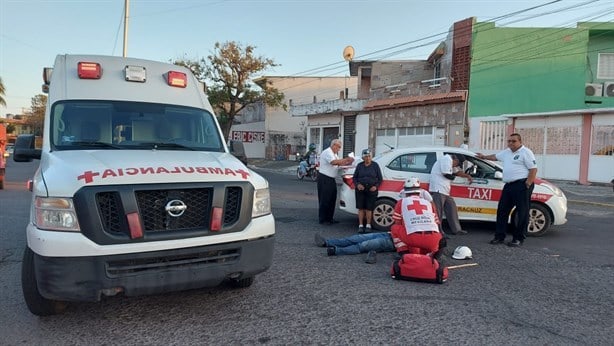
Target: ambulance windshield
79	125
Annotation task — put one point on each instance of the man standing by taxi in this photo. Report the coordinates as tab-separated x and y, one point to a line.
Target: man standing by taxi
519	172
442	174
327	185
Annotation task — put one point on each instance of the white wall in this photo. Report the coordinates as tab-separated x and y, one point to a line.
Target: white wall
362	134
250	135
601	167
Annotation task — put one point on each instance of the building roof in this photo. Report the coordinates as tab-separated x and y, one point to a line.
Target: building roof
418	100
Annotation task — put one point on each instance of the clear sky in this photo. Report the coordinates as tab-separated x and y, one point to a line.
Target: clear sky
306	37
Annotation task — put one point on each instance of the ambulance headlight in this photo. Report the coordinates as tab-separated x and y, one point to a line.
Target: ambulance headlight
262	203
55	214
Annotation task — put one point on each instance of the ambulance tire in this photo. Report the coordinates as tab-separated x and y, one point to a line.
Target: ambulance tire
242	283
37	304
382	214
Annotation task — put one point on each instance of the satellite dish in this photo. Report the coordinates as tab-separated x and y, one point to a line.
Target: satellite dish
348	53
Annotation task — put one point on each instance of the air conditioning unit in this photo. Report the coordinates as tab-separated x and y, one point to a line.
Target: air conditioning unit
593	89
608	89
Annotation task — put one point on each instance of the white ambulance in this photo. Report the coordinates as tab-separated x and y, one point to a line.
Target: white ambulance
137	192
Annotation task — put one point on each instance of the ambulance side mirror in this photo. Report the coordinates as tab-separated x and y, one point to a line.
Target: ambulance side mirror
238	150
25	149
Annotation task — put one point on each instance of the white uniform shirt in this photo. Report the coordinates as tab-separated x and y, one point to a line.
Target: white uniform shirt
516	164
439	183
418	215
326	167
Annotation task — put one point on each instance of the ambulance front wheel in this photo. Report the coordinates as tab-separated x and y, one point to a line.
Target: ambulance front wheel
37	304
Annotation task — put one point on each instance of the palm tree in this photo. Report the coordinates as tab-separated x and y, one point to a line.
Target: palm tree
2	101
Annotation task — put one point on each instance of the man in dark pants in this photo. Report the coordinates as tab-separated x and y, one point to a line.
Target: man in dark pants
519	172
327	186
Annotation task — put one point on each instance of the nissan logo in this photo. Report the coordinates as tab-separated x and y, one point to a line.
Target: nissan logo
175	208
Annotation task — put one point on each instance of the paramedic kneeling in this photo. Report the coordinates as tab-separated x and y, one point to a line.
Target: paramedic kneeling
416	227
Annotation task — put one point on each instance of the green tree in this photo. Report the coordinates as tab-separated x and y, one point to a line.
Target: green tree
2	91
228	74
37	116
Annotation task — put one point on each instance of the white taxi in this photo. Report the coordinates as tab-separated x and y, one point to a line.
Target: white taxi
475	201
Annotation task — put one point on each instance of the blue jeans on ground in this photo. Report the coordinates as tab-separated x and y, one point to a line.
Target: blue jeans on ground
357	243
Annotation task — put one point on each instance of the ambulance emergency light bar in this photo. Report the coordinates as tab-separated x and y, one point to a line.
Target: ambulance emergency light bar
93	70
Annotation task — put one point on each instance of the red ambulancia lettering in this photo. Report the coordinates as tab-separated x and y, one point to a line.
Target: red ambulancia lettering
108	173
88	176
215	170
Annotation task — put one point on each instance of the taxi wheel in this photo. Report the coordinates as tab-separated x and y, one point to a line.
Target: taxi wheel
539	220
382	214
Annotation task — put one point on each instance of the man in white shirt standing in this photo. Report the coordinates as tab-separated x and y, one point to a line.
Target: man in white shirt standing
442	174
327	185
519	172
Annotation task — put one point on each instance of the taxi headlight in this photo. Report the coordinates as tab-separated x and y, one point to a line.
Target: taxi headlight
55	214
555	190
262	203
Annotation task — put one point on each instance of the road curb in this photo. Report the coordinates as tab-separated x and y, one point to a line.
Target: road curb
591	203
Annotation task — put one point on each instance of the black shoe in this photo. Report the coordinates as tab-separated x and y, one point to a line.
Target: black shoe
371	257
514	243
461	232
496	241
333	221
330	250
361	229
319	240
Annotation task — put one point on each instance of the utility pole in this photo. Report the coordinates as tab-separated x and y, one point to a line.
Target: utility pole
126	16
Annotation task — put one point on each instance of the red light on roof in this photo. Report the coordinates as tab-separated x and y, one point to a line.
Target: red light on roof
177	79
89	70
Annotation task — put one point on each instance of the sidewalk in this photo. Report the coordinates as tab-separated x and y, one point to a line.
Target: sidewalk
596	194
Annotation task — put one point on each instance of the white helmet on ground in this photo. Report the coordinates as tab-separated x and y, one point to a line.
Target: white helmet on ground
462	252
412	185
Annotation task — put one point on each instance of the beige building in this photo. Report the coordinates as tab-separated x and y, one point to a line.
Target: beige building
274	133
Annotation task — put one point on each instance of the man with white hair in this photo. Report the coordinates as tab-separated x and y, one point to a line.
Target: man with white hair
327	185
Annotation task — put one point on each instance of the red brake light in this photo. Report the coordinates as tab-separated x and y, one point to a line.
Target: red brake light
177	79
348	180
89	70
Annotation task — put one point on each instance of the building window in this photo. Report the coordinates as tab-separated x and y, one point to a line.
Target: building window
437	70
605	66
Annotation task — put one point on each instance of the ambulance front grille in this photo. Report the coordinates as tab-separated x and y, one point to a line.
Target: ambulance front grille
151	208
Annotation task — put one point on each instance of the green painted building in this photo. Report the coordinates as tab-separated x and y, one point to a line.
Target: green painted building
532	70
554	86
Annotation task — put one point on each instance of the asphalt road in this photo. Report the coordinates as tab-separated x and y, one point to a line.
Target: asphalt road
538	294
